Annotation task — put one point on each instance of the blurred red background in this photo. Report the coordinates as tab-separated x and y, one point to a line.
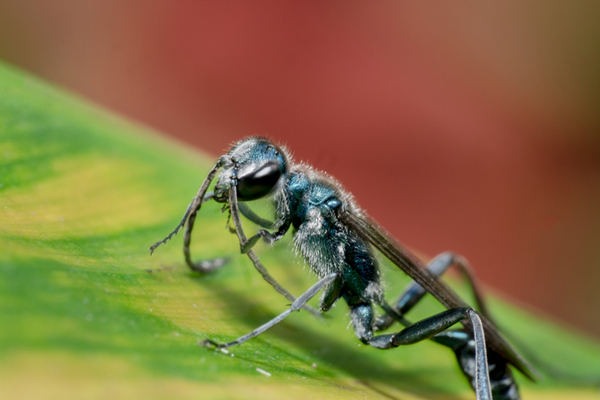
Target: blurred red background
472	127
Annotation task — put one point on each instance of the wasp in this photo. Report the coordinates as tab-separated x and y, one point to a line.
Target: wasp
337	240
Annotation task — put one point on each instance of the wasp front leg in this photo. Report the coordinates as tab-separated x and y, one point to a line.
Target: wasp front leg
244	243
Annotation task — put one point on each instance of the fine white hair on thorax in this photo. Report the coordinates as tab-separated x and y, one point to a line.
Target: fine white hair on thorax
321	256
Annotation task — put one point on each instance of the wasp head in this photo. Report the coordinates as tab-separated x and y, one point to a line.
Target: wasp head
255	165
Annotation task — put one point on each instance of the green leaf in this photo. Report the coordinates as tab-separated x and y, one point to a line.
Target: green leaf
85	312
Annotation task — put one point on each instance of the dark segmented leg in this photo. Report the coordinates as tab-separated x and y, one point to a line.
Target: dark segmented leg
233	204
299	303
424	329
414	292
194	208
170	235
267	237
207	266
190	216
204	266
463	344
252	216
483	387
331	294
507	386
362	316
503	384
206	198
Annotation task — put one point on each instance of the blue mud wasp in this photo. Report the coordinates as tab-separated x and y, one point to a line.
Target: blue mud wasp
336	239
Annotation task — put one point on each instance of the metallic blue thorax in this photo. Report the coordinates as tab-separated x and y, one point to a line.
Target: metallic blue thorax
327	244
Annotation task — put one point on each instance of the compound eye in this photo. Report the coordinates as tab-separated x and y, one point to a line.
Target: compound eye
258	182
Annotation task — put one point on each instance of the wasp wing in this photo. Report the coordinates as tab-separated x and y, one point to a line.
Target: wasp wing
373	233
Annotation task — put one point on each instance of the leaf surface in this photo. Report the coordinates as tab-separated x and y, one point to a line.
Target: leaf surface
86	313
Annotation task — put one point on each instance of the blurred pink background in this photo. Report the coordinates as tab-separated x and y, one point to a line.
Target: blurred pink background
472	127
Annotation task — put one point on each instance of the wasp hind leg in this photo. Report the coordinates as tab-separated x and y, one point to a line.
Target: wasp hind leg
414	292
362	317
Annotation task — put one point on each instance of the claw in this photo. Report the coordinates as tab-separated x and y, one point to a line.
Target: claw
209	343
165	240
